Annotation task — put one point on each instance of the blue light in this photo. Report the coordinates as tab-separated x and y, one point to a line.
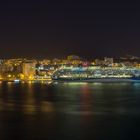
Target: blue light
79	69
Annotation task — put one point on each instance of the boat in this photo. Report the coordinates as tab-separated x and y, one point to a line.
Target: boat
96	74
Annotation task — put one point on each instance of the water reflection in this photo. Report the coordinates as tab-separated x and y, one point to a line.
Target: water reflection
74	110
67	97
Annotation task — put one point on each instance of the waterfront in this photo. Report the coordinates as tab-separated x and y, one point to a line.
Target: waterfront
77	111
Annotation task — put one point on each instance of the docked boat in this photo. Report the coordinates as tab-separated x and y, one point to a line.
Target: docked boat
96	74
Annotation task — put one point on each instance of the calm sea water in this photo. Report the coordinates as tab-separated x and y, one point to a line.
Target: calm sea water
70	111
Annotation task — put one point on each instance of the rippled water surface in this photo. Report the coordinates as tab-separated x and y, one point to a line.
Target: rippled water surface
70	111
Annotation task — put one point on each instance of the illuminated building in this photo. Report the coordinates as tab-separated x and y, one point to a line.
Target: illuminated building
29	70
108	61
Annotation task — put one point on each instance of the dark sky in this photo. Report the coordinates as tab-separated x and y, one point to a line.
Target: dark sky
47	29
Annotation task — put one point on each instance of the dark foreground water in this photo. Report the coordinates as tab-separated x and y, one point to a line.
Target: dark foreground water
70	111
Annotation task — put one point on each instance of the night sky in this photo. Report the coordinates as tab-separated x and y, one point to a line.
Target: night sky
48	29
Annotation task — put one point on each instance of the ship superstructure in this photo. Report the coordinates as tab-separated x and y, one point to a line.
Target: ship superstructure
96	73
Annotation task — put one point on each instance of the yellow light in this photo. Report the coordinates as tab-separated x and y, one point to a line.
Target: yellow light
9	75
0	77
22	76
31	77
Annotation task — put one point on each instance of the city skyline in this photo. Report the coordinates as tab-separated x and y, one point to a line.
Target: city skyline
40	29
69	70
74	57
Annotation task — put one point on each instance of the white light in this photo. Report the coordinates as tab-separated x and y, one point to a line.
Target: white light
16	80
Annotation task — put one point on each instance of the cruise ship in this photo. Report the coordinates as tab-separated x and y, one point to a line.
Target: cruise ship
96	74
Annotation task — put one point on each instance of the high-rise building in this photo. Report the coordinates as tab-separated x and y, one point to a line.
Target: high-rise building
108	61
29	70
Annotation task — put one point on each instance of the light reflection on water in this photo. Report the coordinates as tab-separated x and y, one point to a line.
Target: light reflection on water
75	110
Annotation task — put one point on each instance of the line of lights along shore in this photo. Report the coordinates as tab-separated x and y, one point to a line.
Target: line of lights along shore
25	69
